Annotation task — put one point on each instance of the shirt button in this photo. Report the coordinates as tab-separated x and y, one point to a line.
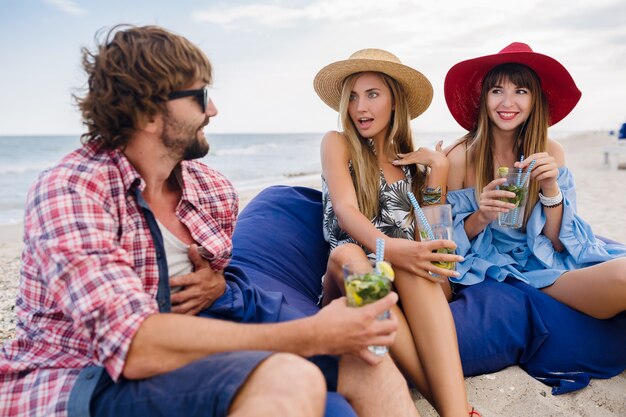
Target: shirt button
89	375
159	255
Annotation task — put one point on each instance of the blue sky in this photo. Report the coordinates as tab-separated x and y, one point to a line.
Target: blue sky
266	53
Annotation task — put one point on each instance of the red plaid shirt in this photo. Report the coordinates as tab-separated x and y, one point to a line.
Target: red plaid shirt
89	273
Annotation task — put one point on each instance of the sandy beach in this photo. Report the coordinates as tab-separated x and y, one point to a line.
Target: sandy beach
510	392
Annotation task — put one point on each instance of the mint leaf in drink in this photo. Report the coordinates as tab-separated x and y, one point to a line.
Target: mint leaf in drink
367	288
519	192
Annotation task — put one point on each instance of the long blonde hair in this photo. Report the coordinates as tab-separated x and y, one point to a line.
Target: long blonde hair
531	137
365	171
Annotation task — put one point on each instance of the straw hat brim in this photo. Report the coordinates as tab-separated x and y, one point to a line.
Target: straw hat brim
329	81
463	85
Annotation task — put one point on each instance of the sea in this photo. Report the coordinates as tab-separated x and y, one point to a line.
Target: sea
250	161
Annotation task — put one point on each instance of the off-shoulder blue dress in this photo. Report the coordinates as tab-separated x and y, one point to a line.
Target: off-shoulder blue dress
499	252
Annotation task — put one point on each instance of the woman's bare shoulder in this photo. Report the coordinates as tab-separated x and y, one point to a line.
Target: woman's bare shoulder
556	150
334	139
456	155
456	151
334	149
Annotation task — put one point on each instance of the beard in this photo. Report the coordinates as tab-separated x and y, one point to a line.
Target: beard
196	149
181	139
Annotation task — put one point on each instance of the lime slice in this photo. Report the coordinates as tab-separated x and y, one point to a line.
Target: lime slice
352	293
503	171
385	269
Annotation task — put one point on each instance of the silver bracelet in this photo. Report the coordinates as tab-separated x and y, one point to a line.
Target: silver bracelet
551	201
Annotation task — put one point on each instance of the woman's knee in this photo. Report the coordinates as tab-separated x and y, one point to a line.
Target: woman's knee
621	266
343	254
618	271
347	251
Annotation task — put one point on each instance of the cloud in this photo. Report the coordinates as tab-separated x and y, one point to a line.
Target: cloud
594	17
273	15
67	6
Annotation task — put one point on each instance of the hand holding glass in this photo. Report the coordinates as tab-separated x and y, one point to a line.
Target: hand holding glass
439	218
364	285
517	183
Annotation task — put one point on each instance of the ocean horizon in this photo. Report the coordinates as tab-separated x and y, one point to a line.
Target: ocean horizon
251	161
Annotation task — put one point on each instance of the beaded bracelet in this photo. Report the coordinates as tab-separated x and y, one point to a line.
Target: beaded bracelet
551	202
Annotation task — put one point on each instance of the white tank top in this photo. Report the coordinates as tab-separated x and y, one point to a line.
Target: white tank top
177	255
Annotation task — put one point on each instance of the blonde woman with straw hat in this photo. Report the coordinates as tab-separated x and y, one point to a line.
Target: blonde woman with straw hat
507	101
368	170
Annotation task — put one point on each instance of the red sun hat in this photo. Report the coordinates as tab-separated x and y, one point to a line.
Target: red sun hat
463	83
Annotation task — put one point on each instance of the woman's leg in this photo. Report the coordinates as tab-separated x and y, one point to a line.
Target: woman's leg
434	335
333	278
441	382
598	291
403	350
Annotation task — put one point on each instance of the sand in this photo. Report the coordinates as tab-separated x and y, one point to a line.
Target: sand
510	392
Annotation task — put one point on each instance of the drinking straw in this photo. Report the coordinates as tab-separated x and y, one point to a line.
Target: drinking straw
519	170
422	216
530	168
380	250
515	213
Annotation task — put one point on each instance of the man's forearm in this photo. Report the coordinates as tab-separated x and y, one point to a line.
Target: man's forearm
165	342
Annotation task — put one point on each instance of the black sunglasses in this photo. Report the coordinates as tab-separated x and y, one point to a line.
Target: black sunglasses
200	94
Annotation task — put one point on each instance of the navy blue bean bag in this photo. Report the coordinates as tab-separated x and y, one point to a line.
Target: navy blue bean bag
279	246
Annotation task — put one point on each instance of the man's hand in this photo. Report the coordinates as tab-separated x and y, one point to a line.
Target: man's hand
340	329
200	288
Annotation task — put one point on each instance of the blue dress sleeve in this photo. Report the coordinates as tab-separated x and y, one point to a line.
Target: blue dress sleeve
582	248
498	252
482	258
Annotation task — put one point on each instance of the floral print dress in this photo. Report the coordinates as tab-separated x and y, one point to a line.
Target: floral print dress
394	217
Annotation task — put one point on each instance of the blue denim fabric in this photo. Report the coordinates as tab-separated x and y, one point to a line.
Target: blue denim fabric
80	397
163	293
202	388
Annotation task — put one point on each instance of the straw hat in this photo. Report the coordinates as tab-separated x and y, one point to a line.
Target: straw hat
329	80
464	82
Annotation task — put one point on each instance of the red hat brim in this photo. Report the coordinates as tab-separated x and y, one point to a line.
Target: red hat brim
463	83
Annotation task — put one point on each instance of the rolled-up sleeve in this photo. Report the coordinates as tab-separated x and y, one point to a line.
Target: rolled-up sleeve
88	275
582	248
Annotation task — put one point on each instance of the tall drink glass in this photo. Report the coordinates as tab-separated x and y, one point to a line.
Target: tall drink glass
364	285
514	183
439	218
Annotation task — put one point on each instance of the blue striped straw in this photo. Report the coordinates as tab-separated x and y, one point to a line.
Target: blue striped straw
380	250
530	168
515	213
519	170
421	215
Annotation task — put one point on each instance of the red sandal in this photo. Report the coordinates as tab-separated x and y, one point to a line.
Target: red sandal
474	413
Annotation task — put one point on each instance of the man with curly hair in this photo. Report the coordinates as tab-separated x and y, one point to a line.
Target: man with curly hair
126	241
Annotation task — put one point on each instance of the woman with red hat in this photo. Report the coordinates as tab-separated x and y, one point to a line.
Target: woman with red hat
507	101
365	198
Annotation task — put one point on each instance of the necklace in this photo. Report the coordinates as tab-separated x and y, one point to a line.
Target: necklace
497	161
